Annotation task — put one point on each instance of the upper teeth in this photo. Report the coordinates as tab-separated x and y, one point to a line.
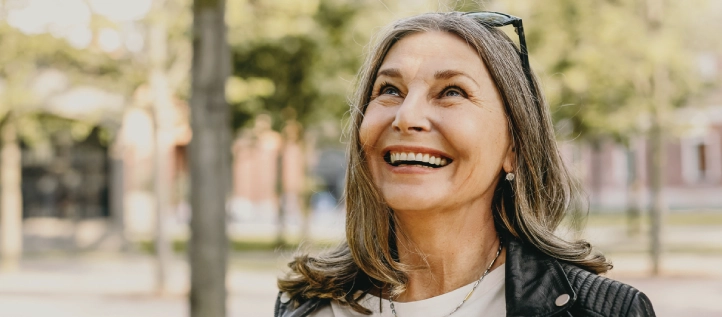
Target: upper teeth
419	157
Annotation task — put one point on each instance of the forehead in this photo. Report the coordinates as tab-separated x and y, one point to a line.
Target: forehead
432	51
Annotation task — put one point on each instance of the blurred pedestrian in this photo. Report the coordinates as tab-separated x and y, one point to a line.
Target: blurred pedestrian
455	189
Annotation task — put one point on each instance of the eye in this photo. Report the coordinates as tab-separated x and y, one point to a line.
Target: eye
453	91
389	90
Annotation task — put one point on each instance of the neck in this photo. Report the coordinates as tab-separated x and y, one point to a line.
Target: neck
446	249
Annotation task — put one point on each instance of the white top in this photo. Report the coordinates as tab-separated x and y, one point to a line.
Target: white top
487	300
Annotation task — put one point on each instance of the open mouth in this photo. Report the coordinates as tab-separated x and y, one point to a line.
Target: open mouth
416	159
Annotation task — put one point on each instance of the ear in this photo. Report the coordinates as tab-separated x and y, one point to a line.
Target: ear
509	164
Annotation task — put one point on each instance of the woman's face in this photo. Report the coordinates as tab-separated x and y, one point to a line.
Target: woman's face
435	132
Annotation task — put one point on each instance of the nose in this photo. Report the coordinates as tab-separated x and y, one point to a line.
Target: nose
411	116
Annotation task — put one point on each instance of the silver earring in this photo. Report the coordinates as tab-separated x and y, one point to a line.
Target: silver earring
510	176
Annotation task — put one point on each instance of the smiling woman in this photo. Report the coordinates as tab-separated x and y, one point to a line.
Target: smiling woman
434	96
455	187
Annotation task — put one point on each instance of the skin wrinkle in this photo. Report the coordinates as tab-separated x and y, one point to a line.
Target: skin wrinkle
449	74
521	211
453	207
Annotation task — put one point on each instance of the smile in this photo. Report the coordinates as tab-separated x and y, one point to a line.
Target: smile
418	159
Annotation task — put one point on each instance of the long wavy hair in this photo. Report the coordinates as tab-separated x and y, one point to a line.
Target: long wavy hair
529	209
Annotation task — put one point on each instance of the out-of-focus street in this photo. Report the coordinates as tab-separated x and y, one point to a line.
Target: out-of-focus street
117	285
113	285
152	140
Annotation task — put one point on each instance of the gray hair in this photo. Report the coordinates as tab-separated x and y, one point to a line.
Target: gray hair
529	209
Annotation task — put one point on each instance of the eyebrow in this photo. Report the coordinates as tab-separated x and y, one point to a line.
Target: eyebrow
448	74
390	72
442	74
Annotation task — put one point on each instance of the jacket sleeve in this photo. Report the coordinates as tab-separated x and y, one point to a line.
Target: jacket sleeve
280	307
284	308
641	306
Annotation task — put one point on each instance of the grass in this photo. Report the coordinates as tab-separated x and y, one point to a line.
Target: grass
594	219
673	218
181	246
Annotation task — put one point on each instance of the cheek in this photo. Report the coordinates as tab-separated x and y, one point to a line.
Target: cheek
481	138
365	135
367	139
371	128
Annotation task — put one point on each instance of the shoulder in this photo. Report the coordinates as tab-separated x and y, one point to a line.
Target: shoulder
285	308
597	295
538	284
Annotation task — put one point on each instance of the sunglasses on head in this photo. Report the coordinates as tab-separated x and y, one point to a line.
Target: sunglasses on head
497	19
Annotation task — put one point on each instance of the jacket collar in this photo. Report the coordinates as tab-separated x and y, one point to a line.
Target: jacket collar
534	281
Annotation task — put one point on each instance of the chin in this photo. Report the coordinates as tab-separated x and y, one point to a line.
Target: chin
412	200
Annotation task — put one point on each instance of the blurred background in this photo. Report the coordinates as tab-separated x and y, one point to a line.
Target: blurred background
95	127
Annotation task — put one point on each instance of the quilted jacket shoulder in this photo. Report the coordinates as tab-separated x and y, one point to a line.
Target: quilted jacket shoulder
601	296
283	307
536	286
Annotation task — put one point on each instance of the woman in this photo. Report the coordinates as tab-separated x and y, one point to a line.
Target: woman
455	187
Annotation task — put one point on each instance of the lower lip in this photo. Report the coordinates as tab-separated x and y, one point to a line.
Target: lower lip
409	169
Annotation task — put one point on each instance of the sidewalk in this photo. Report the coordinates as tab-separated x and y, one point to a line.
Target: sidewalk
117	286
122	285
112	285
689	285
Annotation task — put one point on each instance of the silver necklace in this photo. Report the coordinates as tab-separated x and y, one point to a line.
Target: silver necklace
473	288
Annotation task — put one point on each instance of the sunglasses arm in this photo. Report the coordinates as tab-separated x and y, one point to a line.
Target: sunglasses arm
524	54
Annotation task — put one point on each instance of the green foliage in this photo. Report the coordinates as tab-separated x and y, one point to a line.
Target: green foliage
36	129
287	63
304	55
24	56
211	4
597	60
306	67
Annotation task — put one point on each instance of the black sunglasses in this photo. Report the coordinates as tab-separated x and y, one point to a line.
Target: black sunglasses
497	19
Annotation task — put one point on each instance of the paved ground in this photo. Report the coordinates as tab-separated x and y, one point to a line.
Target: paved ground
115	286
118	286
690	285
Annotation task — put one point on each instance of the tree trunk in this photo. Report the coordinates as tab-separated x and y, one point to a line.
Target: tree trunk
597	172
163	123
282	209
310	140
209	153
161	188
11	208
634	187
577	214
656	165
660	103
117	192
655	177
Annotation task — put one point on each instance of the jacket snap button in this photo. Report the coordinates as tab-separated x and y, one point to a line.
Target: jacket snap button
285	298
562	300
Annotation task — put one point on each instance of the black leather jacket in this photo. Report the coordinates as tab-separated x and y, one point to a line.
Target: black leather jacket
540	286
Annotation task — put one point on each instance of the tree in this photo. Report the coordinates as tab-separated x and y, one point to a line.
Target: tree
209	153
165	80
618	70
22	58
300	70
302	55
10	196
296	61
